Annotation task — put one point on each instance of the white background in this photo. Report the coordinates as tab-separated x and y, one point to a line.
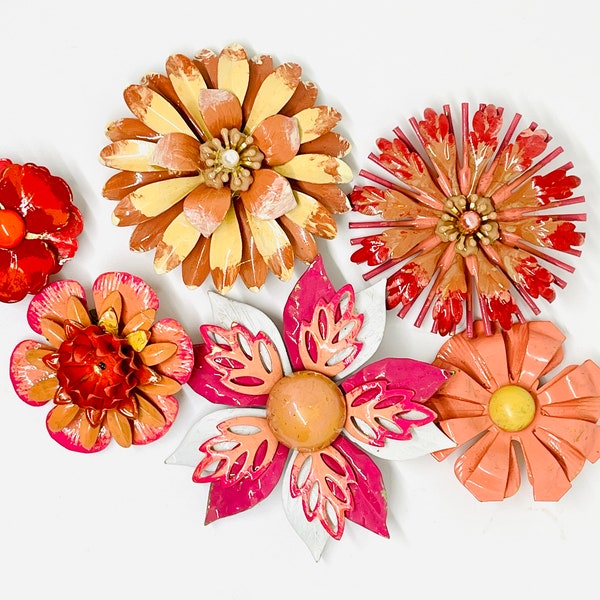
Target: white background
123	524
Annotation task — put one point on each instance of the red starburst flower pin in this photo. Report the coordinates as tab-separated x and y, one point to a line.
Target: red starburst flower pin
468	221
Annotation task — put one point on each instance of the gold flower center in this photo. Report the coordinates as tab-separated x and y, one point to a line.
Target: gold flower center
306	410
468	221
230	159
512	408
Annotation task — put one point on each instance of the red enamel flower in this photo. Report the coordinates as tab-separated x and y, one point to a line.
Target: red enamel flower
39	225
110	372
469	219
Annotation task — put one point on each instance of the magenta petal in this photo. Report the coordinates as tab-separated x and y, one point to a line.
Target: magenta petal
206	381
406	373
313	285
144	434
370	506
226	500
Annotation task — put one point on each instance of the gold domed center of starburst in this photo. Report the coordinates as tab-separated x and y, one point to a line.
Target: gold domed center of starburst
468	221
230	160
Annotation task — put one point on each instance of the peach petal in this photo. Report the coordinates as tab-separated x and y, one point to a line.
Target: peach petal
119	427
52	302
206	207
77	311
125	214
330	143
128	128
220	109
179	365
570	440
530	348
24	375
278	138
148	233
304	96
142	321
544	471
482	357
486	468
143	432
53	332
177	152
303	242
196	266
579	382
206	60
124	182
260	68
330	195
463	429
149	414
460	396
61	416
269	196
137	294
78	435
155	353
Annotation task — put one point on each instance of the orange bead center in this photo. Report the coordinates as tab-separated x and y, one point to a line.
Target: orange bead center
12	228
306	411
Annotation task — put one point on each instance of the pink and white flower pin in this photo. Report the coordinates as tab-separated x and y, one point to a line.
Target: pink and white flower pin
305	407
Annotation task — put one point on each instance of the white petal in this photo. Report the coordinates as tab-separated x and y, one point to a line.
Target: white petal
188	452
312	532
371	303
227	311
425	440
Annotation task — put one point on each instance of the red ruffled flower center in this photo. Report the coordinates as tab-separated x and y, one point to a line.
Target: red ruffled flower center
98	370
12	228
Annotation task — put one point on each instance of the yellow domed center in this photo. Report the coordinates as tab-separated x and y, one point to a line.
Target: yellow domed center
306	411
512	408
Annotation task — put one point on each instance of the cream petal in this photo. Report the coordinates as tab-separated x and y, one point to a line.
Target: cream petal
226	252
154	110
177	242
316	168
273	94
130	155
316	121
234	71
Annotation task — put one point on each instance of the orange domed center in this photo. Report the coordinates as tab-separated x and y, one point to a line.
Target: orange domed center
12	228
512	408
306	411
